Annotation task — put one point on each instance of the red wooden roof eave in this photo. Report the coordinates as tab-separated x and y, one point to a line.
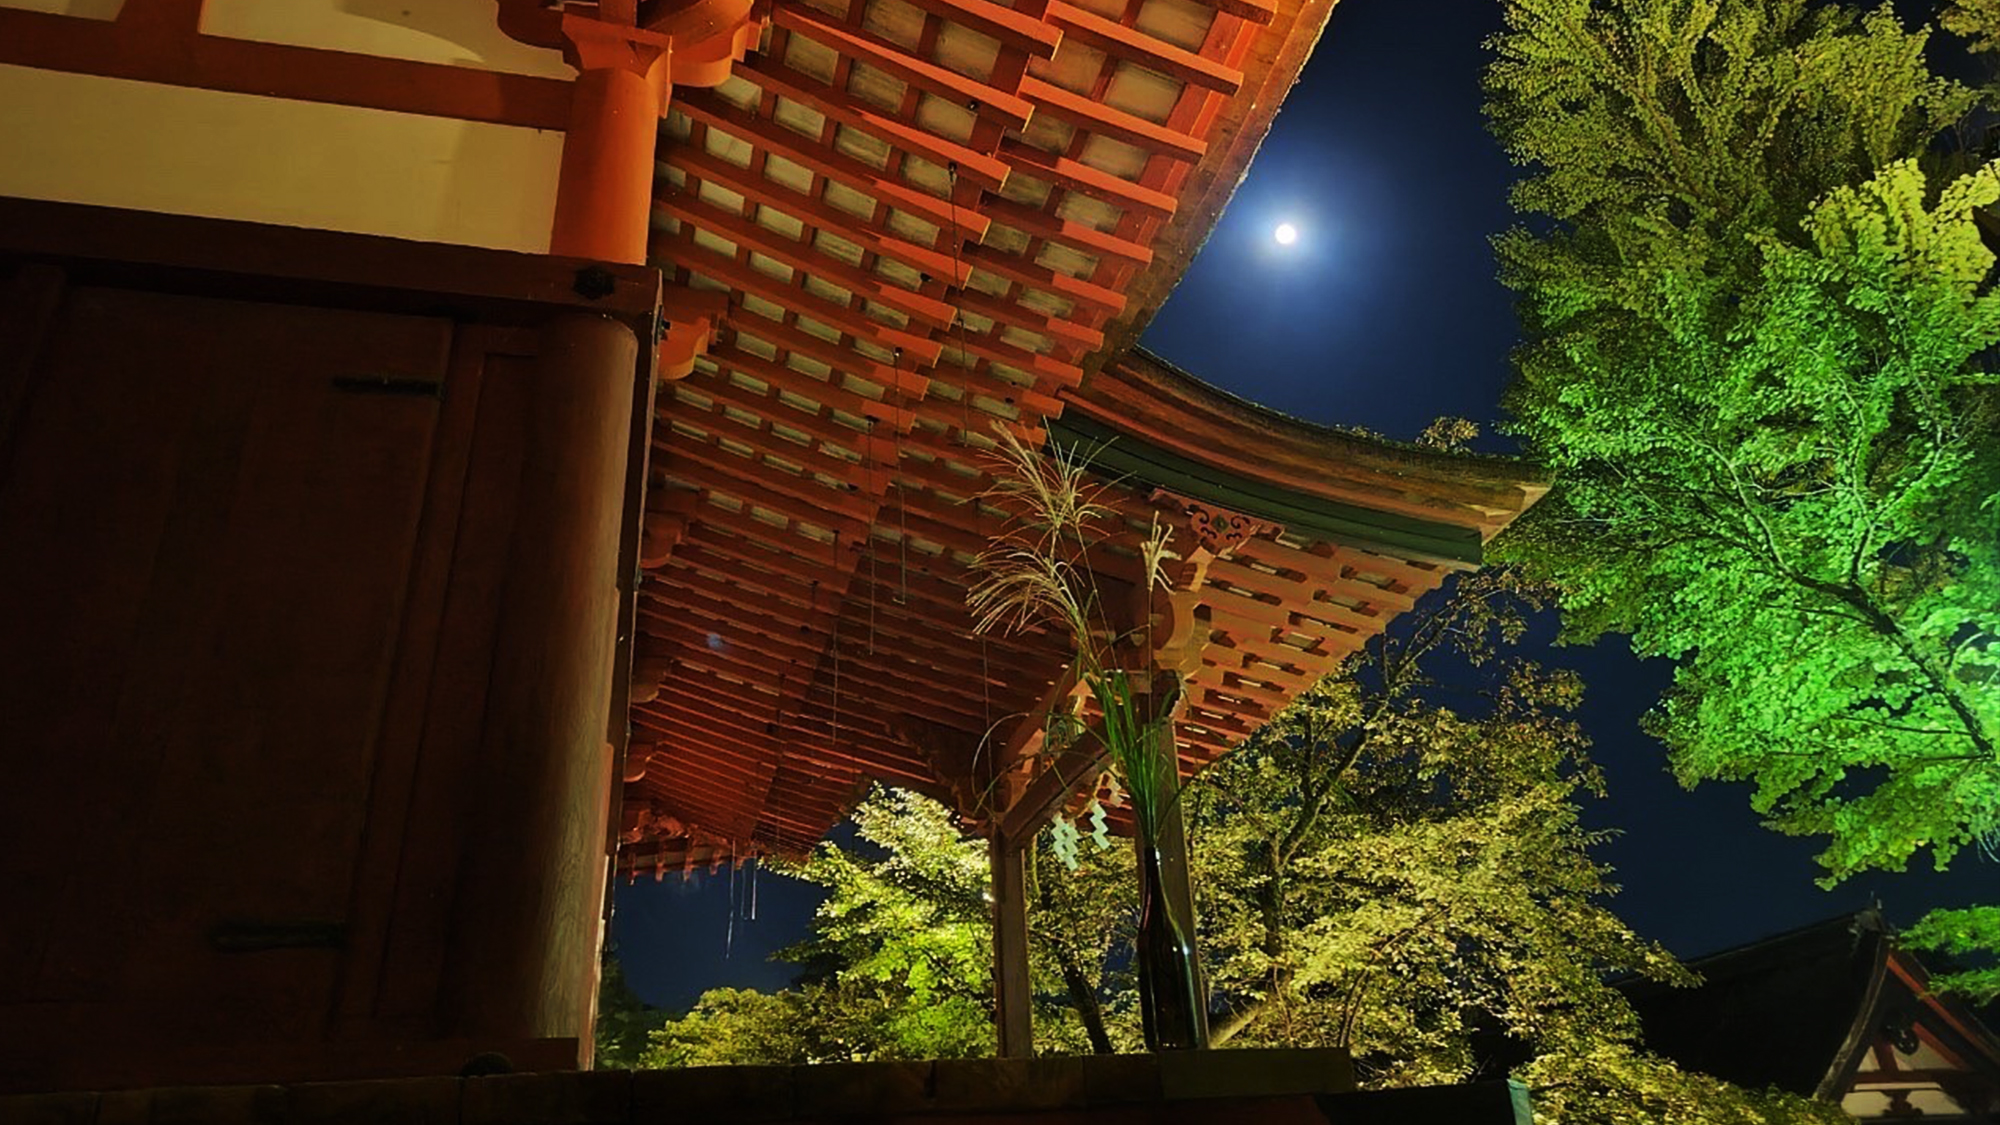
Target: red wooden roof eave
1162	405
1239	125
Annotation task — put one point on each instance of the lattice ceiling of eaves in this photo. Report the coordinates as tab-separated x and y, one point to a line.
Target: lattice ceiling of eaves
926	216
813	650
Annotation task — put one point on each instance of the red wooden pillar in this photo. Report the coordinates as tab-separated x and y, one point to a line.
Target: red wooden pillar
604	198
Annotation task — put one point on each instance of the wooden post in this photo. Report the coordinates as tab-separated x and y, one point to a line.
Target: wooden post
605	194
1013	1022
529	891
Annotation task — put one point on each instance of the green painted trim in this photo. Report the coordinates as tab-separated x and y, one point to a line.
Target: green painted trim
1114	454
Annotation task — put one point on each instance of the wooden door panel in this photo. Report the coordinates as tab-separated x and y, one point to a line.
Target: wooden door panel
219	529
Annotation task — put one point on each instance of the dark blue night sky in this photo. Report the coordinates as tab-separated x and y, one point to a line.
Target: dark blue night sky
1385	314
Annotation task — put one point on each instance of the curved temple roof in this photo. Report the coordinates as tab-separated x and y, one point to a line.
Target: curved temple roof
910	221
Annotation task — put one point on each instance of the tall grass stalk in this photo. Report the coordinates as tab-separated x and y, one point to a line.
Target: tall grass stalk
1037	573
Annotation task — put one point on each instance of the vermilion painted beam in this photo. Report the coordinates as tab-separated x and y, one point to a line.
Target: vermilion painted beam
1259	12
1247	688
711	110
711	789
800	255
683	250
743	525
795	584
795	511
721	536
924	480
950	416
951	446
922	625
976	167
1088	239
1315	587
840	509
1036	400
1061	329
688	721
1415	579
922	640
740	414
1098	117
889	669
700	749
1292	680
1060	373
742	661
735	773
849	726
1096	183
787	537
1137	46
754	695
882	688
889	413
1014	28
1220	719
800	637
1003	107
1366	621
894	411
923	610
1252	713
862	232
734	417
771	409
1246	620
1015	267
733	782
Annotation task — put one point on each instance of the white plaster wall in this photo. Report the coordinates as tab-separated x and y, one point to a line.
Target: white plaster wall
84	139
452	32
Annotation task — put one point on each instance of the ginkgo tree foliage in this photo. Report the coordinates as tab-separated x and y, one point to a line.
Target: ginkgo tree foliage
1760	324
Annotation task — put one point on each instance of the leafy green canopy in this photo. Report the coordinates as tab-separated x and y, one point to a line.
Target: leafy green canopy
1399	867
899	962
1759	319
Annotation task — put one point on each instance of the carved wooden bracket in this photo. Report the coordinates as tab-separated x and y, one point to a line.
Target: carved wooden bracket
673	42
691	318
1217	530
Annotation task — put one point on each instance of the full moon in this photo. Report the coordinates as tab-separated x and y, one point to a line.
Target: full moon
1286	234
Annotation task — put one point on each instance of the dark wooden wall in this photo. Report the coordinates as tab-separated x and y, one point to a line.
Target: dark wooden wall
262	524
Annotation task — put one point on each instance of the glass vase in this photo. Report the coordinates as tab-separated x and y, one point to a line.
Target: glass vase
1170	1003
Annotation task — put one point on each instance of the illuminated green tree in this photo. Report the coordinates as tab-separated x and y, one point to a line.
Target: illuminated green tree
1760	324
1395	865
898	965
